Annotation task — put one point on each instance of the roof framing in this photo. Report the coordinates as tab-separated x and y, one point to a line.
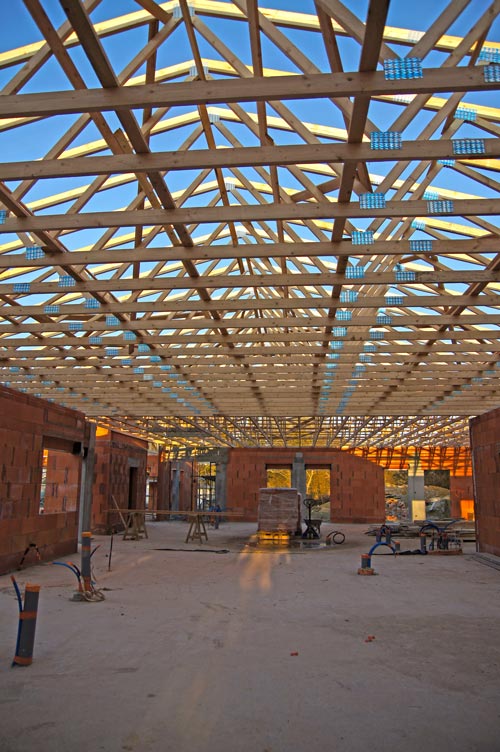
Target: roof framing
218	235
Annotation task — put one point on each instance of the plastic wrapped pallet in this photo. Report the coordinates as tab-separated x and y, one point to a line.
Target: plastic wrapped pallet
279	510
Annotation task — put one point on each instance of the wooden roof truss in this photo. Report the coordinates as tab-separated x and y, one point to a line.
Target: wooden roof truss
215	234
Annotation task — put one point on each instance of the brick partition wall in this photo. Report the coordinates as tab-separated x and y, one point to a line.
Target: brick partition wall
485	446
119	471
62	482
163	487
356	485
27	426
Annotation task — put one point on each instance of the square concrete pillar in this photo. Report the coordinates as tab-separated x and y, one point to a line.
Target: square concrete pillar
416	493
299	474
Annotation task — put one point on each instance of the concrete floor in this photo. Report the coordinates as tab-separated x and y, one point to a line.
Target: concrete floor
261	652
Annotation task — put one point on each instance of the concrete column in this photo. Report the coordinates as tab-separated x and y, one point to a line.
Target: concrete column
221	481
416	491
86	483
175	486
299	474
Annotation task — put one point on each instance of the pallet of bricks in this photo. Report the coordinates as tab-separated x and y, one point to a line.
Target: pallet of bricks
278	514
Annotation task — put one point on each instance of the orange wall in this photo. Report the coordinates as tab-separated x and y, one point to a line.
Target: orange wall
115	453
357	485
349	499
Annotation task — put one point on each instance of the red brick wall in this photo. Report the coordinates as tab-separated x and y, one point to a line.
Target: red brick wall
163	486
485	446
115	454
62	484
356	485
101	500
25	424
461	487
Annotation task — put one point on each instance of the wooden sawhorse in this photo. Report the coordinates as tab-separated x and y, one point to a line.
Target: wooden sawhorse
197	530
135	526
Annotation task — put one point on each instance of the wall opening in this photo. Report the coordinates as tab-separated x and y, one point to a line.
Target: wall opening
132	488
205	485
151	498
437	494
278	476
318	488
59	486
396	495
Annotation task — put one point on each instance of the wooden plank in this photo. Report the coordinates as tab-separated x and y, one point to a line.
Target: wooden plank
274	303
292	154
247	212
250	89
476	322
314	249
147	284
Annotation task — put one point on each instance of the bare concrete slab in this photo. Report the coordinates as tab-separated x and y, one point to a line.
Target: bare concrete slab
256	650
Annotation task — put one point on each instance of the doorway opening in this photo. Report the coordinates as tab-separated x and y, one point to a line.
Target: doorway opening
318	487
437	494
132	488
205	486
396	495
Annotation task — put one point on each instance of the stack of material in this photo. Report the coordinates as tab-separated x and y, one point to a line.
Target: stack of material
279	510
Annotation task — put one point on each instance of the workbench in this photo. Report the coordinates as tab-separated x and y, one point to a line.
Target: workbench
134	521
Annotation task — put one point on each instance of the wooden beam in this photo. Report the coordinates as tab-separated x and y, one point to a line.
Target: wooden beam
243	157
395	342
197	214
423	324
242	90
403	248
171	306
268	280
